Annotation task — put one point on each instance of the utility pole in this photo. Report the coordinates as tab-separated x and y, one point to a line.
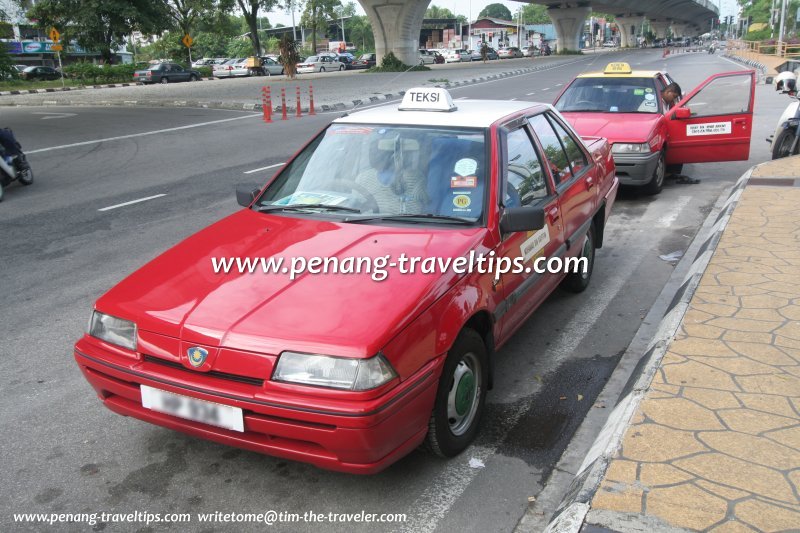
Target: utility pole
469	27
783	21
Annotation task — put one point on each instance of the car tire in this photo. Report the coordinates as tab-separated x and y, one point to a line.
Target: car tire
460	397
322	69
656	182
782	146
193	78
164	80
578	281
341	68
1	192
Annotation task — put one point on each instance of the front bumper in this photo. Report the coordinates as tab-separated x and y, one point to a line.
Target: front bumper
361	437
636	169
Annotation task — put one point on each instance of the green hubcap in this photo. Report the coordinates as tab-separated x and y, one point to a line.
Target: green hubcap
465	393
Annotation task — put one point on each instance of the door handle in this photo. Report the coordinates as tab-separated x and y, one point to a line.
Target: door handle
553	215
742	121
589	183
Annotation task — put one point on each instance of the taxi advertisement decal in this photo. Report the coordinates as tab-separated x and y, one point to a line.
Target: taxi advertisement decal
463	181
462	201
711	128
535	243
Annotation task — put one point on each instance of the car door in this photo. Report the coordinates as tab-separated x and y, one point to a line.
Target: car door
572	173
526	182
714	122
179	74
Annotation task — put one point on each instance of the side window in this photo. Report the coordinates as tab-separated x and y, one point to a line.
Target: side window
553	151
575	155
525	182
722	96
177	68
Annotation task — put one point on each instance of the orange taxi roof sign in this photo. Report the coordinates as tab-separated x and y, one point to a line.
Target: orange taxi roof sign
618	68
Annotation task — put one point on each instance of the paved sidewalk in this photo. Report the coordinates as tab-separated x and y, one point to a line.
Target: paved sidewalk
715	444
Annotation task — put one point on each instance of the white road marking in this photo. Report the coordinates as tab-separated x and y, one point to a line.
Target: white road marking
109	208
559	84
742	67
546	89
262	168
511	99
462	98
143	134
51	115
529	94
666	220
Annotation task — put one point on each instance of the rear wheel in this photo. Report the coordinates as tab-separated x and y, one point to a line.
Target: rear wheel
656	182
341	68
782	146
461	396
578	281
192	78
164	80
322	69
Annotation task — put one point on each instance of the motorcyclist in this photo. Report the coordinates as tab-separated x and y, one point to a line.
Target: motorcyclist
12	150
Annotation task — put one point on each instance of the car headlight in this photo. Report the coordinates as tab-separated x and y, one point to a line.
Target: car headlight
114	330
630	148
334	372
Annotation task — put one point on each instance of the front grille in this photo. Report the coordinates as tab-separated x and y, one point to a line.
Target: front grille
214	374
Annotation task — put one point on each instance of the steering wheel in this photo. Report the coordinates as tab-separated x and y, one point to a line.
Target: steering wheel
583	103
371	202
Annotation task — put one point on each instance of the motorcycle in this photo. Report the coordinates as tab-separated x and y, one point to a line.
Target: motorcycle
786	139
712	49
17	169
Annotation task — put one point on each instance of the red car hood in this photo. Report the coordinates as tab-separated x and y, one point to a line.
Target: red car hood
179	295
616	127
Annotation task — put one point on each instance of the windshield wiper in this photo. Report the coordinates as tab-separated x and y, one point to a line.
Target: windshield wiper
418	217
305	207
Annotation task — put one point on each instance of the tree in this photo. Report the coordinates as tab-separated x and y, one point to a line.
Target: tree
436	12
360	32
316	15
185	14
534	14
495	11
250	10
100	25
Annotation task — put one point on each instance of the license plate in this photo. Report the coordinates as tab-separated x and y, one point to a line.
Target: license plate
215	414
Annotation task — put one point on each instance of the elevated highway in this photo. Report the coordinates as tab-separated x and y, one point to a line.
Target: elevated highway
397	24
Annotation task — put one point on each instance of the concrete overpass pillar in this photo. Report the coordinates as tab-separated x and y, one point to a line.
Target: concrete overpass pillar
569	23
679	30
627	31
396	26
659	28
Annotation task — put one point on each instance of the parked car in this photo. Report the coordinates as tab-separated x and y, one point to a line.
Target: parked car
491	54
40	73
165	73
346	59
320	63
456	56
270	66
713	123
609	44
353	370
530	51
427	57
511	52
364	61
233	68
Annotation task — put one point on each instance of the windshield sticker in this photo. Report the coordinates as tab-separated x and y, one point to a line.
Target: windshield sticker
311	198
462	200
349	130
465	167
649	97
535	244
711	128
463	181
650	103
638	92
648	91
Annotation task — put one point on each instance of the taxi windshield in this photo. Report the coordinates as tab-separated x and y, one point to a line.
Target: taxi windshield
610	95
385	171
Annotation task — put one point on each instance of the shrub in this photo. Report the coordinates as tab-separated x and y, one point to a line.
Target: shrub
390	63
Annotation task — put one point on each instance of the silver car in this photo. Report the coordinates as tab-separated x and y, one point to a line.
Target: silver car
319	63
231	68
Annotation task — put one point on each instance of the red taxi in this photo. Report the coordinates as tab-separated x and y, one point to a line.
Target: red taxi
712	123
352	371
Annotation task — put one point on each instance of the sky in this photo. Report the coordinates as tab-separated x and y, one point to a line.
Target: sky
464	7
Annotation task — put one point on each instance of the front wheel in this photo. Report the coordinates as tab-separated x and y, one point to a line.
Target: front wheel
656	182
578	281
782	146
461	396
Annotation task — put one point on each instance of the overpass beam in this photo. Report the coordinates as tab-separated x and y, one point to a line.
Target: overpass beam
569	22
627	30
396	26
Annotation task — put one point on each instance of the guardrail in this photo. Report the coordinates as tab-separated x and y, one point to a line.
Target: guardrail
778	49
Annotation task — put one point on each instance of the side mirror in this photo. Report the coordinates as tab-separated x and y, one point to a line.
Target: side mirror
246	193
526	218
682	113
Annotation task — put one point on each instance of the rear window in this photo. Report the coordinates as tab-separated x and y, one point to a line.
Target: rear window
610	95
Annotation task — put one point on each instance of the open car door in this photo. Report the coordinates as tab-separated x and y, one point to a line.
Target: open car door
714	122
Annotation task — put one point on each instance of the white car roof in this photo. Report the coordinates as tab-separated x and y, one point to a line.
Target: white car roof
469	113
